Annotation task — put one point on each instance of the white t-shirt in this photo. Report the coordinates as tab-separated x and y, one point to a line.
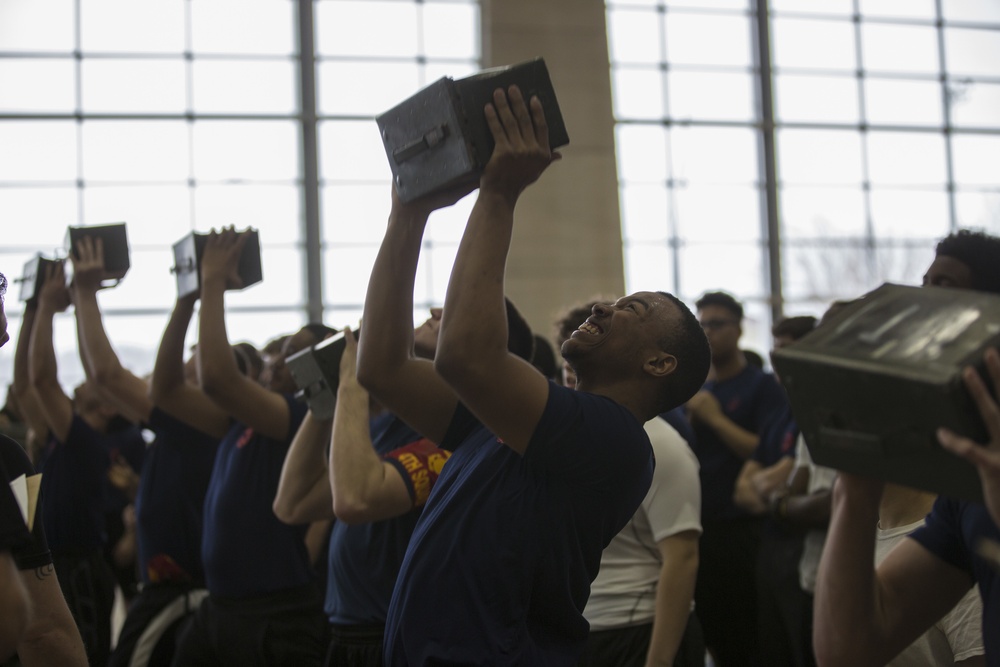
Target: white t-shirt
820	479
957	636
624	592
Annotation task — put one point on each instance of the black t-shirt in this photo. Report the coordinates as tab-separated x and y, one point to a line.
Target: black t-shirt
30	549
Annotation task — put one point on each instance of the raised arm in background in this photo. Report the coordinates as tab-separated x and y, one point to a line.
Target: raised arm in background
170	390
866	616
506	393
26	398
56	407
387	365
239	396
365	488
126	391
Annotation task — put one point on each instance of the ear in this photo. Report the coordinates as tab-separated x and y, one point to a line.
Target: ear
660	365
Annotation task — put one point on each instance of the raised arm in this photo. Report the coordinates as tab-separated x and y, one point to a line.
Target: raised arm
387	365
866	616
26	398
304	488
126	391
505	393
169	390
237	395
56	407
365	488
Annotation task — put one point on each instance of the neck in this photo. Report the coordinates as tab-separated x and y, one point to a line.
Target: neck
729	367
902	505
639	406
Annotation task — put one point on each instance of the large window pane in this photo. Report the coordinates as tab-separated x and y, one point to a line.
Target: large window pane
974	104
719	214
243	26
642	151
352	151
19	81
972	52
346	88
124	26
714	155
148	283
816	99
811	44
648	268
644	211
245	150
40	216
826	271
157	215
133	86
366	28
33	26
817	213
450	30
272	209
901	102
826	157
284	280
638	94
979	209
135	151
708	40
346	270
899	9
244	87
975	159
904	214
634	36
906	158
897	48
986	11
38	151
355	214
711	96
737	268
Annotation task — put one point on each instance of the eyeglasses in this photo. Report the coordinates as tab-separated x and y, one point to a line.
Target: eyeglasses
715	325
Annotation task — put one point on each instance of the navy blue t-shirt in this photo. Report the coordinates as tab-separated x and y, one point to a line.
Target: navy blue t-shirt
171	501
751	399
951	532
364	559
499	567
30	550
74	489
245	549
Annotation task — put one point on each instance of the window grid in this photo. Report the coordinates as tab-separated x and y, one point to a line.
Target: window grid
792	245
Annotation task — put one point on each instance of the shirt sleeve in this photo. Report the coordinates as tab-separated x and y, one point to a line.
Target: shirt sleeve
673	503
30	549
419	464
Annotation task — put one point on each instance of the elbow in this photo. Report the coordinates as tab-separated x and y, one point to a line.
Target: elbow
352	511
456	368
285	511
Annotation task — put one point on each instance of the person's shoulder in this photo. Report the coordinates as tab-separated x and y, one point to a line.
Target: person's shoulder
670	449
14	458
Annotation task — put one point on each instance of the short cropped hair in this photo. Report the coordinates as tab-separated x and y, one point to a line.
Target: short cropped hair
520	338
977	250
794	327
723	300
688	343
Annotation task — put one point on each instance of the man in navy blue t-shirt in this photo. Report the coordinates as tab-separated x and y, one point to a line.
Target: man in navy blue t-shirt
500	563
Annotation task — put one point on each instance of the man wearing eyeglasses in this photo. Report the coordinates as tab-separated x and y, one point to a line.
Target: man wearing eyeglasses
729	414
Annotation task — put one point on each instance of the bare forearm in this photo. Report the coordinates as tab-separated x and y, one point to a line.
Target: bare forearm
168	371
741	441
42	365
357	474
845	627
674	593
22	383
216	365
386	339
474	326
303	471
52	638
746	497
